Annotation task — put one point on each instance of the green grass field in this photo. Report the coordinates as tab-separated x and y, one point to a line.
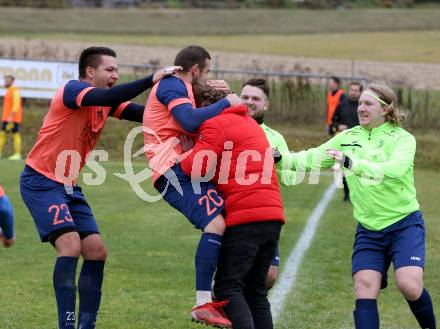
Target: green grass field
323	295
149	274
149	278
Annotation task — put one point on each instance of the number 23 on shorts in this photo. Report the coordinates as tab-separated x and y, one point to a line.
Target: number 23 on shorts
56	210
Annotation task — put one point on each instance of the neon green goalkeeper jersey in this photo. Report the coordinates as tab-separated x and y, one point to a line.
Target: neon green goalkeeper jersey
277	141
380	178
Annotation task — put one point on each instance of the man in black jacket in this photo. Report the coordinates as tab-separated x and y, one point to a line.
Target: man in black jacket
345	115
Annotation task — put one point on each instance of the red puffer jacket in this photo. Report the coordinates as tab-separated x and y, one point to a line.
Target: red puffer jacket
235	146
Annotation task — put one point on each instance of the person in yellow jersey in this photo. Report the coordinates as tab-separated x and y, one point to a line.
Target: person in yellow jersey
12	117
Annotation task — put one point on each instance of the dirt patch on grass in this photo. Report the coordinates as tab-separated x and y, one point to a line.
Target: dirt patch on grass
417	75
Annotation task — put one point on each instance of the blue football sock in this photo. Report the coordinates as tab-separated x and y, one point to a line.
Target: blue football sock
65	290
366	314
206	260
89	288
423	311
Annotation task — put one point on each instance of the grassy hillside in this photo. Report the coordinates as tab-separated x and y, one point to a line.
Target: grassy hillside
361	34
214	22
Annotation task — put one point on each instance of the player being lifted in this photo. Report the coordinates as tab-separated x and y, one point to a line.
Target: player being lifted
169	118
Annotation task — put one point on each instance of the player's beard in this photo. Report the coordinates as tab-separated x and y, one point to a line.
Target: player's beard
257	114
197	81
259	117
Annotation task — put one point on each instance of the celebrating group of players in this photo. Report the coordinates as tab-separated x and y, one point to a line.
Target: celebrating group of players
216	162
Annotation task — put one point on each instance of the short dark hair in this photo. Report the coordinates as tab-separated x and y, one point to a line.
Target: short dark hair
335	79
190	56
355	83
259	83
9	76
91	57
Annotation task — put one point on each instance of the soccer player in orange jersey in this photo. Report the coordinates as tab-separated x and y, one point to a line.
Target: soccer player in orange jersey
77	114
169	121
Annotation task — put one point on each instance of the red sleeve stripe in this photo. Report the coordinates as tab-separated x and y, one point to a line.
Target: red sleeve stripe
81	95
178	101
120	109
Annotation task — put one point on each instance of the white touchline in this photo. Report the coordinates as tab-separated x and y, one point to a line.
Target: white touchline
287	278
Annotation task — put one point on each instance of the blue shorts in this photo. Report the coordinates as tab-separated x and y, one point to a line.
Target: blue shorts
402	243
54	210
200	207
276	259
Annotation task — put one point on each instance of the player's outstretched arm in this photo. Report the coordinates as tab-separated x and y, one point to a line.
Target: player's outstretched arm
126	91
395	166
117	94
163	72
131	112
6	222
191	118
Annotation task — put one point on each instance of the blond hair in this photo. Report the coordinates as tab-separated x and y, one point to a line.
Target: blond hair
395	114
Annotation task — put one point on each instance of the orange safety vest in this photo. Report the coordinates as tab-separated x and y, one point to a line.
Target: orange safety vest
332	103
8	105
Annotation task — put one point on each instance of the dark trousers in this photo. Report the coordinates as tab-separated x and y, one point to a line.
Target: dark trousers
246	254
346	190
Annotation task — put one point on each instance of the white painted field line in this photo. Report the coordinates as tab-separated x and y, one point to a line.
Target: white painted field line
287	278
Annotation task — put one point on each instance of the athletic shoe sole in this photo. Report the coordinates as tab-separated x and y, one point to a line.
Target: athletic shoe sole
209	324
